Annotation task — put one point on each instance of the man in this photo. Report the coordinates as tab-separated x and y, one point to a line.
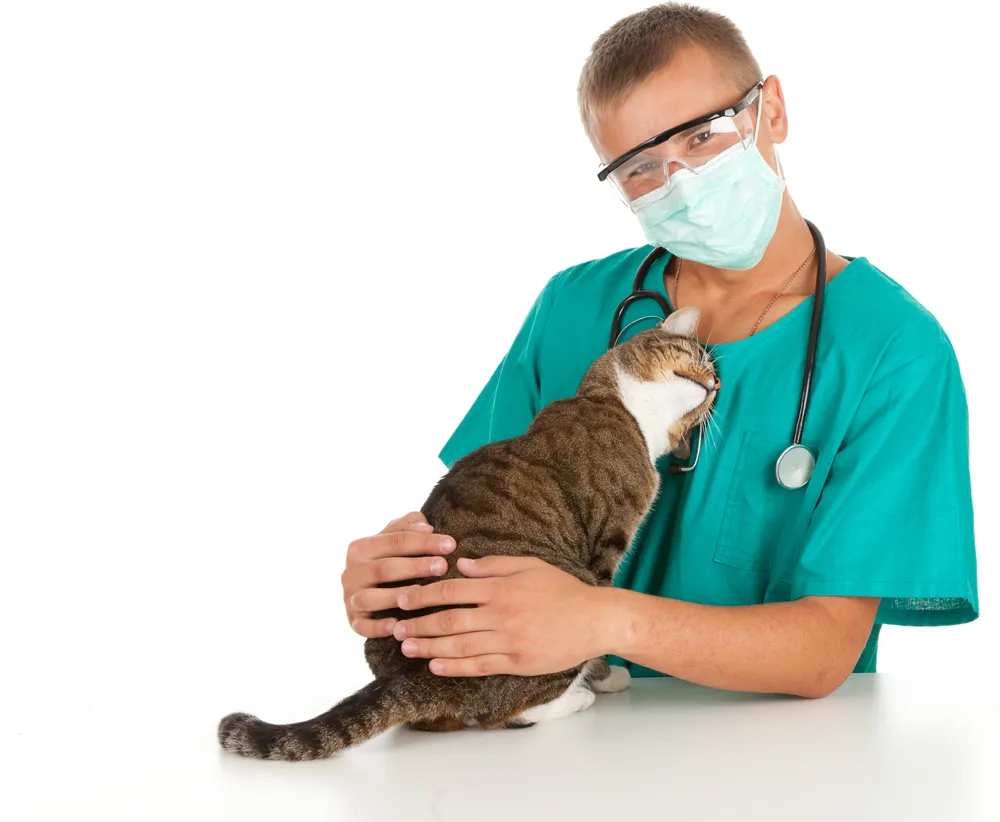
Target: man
734	581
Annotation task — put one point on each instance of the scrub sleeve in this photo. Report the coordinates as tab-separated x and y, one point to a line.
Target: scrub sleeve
511	399
894	519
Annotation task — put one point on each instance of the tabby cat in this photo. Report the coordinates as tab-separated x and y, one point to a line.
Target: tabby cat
572	490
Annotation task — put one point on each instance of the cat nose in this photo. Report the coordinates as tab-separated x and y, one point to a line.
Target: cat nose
714	384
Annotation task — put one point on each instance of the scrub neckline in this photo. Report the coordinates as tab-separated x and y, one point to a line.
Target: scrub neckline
769	330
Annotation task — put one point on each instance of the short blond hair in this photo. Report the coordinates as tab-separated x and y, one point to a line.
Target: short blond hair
639	45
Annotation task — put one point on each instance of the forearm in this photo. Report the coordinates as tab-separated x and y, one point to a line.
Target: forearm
803	647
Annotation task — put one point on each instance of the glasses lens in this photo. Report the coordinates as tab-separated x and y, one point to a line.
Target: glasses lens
693	150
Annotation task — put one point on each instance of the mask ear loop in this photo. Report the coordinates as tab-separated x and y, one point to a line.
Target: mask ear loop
756	131
760	111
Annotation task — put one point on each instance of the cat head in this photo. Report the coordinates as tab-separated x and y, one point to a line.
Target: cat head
667	381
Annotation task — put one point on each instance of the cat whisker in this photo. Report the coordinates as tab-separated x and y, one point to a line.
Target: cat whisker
717	436
718	429
709	436
712	431
711	331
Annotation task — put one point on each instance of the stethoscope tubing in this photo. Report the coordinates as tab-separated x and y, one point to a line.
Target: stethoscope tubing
809	369
814	325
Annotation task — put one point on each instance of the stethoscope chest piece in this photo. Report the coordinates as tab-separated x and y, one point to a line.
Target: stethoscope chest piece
795	467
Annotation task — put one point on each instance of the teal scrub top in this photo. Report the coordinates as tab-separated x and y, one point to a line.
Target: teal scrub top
888	510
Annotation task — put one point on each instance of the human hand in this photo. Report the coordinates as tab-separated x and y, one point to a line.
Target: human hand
407	548
531	619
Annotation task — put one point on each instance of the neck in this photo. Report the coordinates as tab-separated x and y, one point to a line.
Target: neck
790	245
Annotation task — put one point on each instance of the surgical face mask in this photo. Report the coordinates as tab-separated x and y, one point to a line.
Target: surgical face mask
723	216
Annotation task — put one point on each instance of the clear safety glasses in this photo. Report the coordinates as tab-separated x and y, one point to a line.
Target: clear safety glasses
692	145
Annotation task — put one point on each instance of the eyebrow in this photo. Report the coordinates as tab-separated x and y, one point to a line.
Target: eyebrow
690	130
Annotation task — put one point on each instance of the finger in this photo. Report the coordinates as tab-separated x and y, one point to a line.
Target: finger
414	521
485	665
446	592
372	628
497	566
398	544
445	623
369	600
392	569
455	647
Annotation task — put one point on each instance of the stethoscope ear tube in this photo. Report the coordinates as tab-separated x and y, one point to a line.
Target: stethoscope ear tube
817	316
635	296
638	293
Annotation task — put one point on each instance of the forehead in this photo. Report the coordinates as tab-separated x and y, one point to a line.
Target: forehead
691	85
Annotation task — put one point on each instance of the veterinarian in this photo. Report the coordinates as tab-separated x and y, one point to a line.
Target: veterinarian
734	581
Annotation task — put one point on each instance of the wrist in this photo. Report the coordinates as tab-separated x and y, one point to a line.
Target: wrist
612	621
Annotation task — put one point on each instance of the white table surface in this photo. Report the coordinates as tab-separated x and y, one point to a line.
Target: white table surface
881	747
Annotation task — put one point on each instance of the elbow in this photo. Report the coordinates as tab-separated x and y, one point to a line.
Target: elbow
839	642
815	692
821	683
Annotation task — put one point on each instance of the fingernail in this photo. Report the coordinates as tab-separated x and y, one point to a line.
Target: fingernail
390	626
438	566
354	625
399	631
468	561
447	544
437	667
409	647
402	601
422	526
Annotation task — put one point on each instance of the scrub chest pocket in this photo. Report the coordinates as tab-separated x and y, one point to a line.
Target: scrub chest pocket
760	516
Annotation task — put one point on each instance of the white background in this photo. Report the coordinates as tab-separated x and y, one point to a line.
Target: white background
257	259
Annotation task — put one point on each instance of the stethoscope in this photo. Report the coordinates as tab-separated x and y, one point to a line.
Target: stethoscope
796	463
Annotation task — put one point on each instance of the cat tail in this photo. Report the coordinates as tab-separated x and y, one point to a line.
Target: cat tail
375	709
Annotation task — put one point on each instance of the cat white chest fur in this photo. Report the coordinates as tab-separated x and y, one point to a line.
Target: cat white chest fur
657	406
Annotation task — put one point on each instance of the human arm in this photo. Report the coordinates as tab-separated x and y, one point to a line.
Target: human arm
890	541
534	619
806	647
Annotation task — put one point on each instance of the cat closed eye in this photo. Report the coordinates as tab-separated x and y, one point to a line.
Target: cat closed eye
708	381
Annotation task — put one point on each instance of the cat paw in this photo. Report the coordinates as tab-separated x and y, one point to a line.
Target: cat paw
617	680
575	698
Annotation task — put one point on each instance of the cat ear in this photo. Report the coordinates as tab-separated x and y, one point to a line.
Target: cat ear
683	448
683	322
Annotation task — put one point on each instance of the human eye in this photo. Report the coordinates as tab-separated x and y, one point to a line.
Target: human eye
642	169
701	138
